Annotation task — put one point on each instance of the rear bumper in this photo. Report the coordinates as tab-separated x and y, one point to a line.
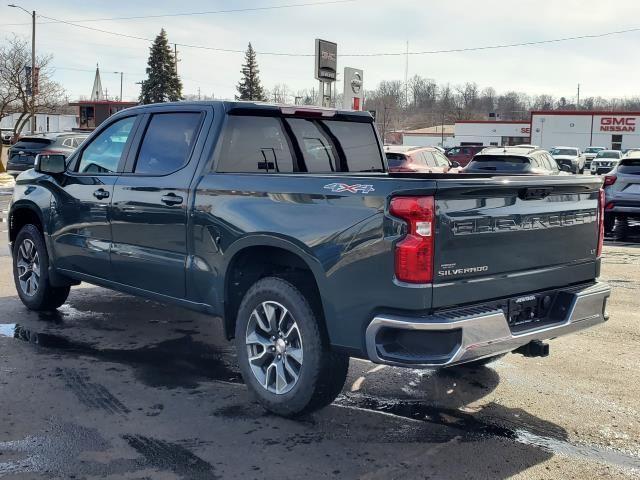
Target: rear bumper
481	333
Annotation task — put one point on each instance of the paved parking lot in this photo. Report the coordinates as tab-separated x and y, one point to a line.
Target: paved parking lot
113	386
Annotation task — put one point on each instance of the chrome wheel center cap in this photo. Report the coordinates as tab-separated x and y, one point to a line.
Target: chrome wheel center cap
281	347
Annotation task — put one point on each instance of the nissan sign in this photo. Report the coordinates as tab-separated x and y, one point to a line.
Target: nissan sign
326	60
353	92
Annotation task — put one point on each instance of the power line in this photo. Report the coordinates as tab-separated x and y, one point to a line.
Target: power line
188	14
375	54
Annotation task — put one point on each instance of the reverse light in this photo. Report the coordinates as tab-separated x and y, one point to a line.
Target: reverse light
600	222
414	253
609	180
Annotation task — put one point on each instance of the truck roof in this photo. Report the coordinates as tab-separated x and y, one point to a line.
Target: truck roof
239	107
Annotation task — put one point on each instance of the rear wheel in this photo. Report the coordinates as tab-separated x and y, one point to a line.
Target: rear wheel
31	272
283	357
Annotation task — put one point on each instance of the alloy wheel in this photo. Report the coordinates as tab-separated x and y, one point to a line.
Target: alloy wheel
274	347
28	265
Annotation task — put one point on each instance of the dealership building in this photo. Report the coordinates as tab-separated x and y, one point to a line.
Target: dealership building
612	130
498	133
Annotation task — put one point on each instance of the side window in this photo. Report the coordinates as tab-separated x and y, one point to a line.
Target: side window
454	151
553	165
76	142
254	145
319	151
467	151
68	142
429	160
167	142
441	160
103	154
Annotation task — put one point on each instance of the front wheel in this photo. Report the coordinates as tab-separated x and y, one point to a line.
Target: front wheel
31	272
284	359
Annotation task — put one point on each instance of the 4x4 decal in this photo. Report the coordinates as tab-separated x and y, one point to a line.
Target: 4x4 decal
343	187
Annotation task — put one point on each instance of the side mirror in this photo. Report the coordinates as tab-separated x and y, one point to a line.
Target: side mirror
455	163
566	168
51	164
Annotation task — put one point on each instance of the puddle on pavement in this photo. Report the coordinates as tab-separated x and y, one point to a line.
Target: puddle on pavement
184	362
181	362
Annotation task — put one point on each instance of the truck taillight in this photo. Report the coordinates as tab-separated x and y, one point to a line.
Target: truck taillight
414	253
600	222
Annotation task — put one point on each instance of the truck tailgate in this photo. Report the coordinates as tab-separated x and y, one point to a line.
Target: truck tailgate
505	236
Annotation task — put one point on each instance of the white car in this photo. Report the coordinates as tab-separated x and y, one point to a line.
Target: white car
605	161
590	153
570	156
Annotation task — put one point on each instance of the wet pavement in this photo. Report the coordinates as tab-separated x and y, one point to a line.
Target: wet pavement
113	386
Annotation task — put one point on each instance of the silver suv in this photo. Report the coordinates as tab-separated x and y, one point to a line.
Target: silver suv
622	191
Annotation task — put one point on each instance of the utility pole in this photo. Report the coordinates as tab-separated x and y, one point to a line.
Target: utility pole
406	77
578	98
33	64
198	93
121	75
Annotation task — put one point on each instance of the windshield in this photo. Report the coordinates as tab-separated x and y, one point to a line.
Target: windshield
395	159
593	150
509	163
609	154
564	151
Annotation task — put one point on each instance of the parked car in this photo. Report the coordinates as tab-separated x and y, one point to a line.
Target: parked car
622	191
22	154
515	160
286	224
605	161
589	154
6	134
463	155
418	160
569	156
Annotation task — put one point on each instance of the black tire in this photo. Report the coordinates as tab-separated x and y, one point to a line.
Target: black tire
609	223
322	373
44	297
482	362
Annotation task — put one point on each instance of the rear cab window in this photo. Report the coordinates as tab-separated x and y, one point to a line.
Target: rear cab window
503	162
629	166
273	144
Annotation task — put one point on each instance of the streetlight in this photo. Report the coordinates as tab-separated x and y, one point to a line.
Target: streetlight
121	75
33	65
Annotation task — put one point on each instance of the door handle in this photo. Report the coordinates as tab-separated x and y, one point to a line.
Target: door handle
171	199
101	193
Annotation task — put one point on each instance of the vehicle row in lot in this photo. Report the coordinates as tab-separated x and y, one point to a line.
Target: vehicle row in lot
22	154
518	160
572	157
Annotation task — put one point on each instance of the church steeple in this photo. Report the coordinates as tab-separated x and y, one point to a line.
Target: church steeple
96	93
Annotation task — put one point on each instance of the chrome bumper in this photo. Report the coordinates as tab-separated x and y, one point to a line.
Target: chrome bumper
487	333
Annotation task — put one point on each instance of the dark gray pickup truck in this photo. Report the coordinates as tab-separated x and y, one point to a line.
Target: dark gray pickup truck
284	222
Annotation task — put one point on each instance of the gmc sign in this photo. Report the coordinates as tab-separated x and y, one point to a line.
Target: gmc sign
618	124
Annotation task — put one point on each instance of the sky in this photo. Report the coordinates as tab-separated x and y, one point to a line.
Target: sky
605	66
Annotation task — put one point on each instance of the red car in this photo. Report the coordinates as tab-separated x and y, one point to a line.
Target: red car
464	154
418	160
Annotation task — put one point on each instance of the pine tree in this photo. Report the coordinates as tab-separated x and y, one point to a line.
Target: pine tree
249	87
162	83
